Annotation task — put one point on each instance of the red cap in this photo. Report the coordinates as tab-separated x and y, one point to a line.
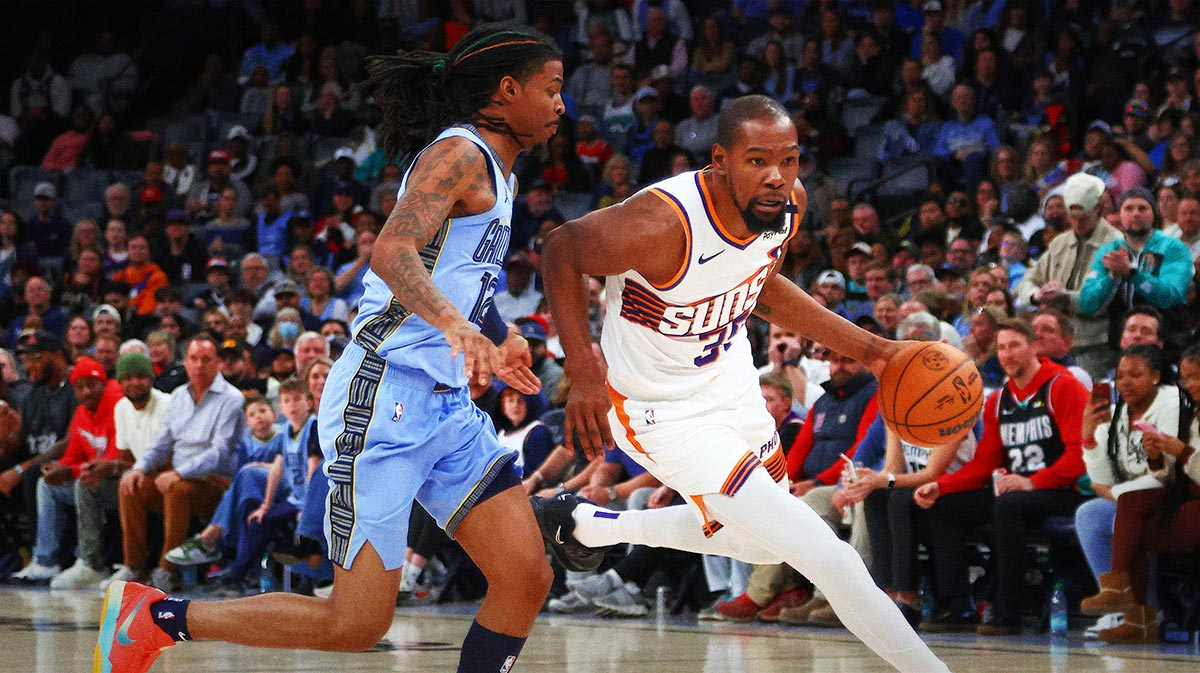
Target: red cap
86	367
151	194
220	156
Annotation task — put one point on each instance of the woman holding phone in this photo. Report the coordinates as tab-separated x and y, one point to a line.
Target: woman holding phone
1113	451
1155	520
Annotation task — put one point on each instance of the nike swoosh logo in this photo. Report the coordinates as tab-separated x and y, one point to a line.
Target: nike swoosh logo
706	260
558	536
123	633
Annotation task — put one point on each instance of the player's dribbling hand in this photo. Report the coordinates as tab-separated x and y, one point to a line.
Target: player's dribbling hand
515	363
587	417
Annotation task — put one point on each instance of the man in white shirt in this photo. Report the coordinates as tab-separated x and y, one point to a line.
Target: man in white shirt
138	415
1187	225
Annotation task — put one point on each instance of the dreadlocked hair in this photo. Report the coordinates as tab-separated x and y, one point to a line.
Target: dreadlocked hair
1178	490
422	92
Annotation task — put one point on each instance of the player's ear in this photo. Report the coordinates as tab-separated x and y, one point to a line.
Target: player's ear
508	88
719	157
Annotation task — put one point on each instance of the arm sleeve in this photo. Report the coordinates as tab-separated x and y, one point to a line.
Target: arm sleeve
800	449
1069	398
1098	287
988	455
834	471
1096	460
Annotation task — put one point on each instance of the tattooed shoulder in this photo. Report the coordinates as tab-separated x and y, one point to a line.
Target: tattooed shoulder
451	173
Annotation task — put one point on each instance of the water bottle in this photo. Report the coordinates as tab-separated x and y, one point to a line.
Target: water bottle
925	595
187	576
660	601
1058	611
266	576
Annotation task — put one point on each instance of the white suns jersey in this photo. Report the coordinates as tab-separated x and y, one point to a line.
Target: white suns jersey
669	342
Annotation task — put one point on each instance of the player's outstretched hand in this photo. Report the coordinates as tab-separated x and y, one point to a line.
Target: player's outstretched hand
481	355
515	363
587	417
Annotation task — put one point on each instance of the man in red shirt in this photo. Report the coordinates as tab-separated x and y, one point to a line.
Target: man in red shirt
1031	428
89	462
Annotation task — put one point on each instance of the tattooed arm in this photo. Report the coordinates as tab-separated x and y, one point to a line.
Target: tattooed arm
450	179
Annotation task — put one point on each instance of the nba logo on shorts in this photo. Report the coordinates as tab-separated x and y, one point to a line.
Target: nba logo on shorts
399	411
508	664
650	417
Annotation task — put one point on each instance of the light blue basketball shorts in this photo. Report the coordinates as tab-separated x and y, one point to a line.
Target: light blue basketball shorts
388	437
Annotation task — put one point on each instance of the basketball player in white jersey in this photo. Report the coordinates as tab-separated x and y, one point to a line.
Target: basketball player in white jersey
688	260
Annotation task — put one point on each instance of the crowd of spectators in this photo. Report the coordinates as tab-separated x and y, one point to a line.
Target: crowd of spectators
172	285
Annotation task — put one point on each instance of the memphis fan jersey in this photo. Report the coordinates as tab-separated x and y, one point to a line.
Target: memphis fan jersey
666	342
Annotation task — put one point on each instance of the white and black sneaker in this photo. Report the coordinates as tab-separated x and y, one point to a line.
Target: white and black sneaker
554	519
623	601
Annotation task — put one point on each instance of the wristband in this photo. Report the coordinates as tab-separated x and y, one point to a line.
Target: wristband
612	493
493	326
891	480
19	469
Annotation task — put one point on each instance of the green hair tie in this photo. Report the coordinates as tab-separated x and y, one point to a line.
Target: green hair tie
439	66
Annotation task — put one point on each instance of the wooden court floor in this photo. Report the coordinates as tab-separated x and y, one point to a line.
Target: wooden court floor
53	632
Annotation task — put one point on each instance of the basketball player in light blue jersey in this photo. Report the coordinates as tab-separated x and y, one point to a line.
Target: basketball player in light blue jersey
397	422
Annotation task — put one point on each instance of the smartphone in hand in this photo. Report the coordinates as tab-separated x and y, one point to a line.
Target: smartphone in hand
1148	429
1102	390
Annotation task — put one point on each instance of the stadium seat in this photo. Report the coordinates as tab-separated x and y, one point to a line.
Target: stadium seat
87	184
190	129
22	180
75	211
847	170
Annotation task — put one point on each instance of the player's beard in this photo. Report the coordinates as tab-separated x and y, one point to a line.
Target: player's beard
757	225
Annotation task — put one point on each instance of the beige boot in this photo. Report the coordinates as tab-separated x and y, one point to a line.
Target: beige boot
1116	595
1139	626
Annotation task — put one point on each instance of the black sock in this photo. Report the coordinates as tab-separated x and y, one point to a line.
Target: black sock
170	615
485	651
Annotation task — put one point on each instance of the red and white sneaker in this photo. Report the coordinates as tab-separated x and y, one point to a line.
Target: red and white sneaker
129	640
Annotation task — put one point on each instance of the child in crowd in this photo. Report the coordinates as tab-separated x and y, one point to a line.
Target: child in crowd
259	448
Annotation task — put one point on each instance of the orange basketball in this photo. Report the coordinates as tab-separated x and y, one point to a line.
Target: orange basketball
930	394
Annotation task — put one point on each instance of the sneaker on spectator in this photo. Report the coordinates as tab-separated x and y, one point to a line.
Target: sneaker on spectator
799	615
740	609
193	552
570	603
1109	621
792	598
595	586
123	574
162	579
129	639
824	616
36	572
79	576
624	601
711	613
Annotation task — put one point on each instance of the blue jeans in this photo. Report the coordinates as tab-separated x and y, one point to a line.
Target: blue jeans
242	497
53	503
1094	528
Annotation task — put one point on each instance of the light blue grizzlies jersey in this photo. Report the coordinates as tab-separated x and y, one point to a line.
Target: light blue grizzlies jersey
463	259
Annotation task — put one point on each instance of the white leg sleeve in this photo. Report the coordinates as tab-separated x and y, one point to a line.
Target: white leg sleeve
773	520
673	527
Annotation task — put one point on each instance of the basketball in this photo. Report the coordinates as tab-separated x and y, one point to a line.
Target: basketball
930	394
